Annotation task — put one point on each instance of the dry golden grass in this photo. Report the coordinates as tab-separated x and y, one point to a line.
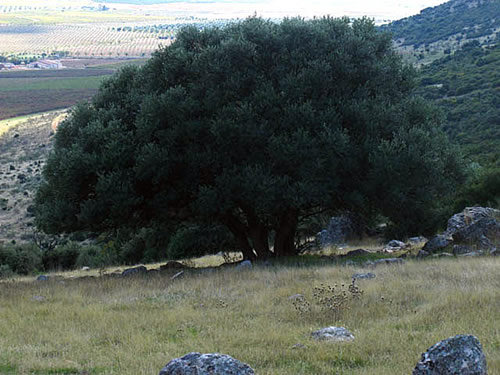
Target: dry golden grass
136	325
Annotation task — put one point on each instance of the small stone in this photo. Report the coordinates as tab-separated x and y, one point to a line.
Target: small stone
495	252
333	334
206	364
368	275
85	268
134	271
298	346
38	298
461	354
42	278
296	297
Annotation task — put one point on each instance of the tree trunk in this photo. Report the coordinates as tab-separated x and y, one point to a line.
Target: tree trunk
258	233
259	236
240	234
284	242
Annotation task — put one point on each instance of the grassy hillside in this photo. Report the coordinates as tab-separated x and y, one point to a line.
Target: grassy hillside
467	86
135	326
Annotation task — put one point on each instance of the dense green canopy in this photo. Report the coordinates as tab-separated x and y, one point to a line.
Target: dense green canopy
254	126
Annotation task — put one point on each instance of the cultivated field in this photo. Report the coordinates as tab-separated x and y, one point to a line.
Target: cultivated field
25	92
82	40
136	325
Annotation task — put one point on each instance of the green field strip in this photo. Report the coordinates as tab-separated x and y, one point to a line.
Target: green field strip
25	84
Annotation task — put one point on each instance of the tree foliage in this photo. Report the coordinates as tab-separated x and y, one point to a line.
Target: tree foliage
254	126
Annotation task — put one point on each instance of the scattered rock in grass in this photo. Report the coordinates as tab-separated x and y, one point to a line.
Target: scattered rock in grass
246	264
42	278
85	268
333	334
134	271
177	275
38	298
495	251
298	346
206	364
461	354
359	276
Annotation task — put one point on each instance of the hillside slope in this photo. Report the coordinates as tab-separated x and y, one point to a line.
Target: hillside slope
466	86
445	28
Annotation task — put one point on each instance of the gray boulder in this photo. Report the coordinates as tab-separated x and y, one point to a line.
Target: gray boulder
333	334
206	364
459	355
134	271
483	233
474	226
42	278
339	230
396	243
469	216
495	252
440	242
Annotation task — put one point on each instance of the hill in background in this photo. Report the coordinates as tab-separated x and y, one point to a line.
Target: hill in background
445	28
456	47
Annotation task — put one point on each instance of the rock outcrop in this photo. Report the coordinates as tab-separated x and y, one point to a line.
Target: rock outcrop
461	354
206	364
475	228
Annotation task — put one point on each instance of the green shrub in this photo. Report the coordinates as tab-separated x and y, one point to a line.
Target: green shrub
21	259
63	257
95	257
5	271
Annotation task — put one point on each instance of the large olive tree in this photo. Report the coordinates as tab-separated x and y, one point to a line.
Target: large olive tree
253	126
